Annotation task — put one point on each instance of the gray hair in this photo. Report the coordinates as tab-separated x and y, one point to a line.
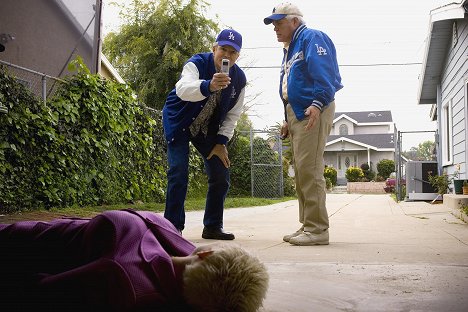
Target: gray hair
300	18
228	280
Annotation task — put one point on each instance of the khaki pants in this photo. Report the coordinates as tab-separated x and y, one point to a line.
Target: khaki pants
308	147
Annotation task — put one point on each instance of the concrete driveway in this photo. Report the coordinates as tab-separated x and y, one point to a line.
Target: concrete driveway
383	255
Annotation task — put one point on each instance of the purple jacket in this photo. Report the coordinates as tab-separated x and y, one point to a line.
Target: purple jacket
116	261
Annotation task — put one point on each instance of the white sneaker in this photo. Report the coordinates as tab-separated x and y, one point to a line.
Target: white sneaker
286	238
310	239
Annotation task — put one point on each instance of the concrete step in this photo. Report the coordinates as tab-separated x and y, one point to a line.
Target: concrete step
339	189
454	202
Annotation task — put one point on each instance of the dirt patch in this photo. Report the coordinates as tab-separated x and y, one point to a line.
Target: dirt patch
31	216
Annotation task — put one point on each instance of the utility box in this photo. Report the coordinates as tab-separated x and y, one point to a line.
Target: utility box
418	186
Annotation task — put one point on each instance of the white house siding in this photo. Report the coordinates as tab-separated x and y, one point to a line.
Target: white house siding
372	129
454	91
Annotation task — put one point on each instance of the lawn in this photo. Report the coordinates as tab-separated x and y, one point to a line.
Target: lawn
88	212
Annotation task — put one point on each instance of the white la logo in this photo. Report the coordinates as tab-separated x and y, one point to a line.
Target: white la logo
321	50
233	93
231	36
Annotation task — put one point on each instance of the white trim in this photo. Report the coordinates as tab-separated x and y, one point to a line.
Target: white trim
447	12
111	69
360	144
447	133
466	125
344	116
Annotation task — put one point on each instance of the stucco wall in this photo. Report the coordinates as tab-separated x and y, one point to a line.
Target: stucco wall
45	37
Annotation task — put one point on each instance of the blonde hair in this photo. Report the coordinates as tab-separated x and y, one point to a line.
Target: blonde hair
228	280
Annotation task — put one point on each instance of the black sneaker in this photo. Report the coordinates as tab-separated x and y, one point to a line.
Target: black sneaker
216	233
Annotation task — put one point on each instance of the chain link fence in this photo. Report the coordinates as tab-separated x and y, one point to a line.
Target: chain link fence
40	84
266	156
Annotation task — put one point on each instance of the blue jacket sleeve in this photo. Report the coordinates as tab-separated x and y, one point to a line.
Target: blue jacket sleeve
321	62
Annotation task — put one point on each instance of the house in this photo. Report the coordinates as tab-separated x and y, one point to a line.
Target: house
443	83
46	35
358	138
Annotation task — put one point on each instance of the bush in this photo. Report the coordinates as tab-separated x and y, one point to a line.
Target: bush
379	178
385	167
197	186
440	182
365	167
91	144
390	185
266	183
331	174
354	174
240	170
369	175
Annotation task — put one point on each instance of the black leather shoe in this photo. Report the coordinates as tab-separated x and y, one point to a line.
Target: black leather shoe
216	233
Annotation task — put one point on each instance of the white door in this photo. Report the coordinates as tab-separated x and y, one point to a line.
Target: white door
345	160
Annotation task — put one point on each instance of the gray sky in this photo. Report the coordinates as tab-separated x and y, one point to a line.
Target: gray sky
366	33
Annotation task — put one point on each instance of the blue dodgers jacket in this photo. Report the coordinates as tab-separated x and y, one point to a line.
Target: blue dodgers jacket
192	91
313	77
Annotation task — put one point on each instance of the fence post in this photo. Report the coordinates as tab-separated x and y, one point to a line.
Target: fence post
251	164
44	89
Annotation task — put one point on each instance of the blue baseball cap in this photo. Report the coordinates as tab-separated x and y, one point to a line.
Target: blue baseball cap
231	38
281	10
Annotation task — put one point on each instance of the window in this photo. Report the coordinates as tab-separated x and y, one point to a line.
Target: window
446	135
347	162
343	129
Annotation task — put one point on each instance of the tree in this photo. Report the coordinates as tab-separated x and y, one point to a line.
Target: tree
244	124
155	41
424	151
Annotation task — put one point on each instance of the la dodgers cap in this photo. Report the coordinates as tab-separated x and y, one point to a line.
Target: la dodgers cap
281	10
230	37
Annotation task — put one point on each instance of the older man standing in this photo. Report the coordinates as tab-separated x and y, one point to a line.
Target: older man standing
308	81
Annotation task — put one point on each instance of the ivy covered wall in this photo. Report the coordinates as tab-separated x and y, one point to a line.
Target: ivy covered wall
92	143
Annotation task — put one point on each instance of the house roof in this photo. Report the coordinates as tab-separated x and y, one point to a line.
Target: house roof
437	45
365	117
376	141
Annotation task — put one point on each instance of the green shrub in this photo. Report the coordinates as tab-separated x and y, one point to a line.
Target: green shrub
440	182
198	186
385	167
369	175
240	170
331	174
354	174
266	182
